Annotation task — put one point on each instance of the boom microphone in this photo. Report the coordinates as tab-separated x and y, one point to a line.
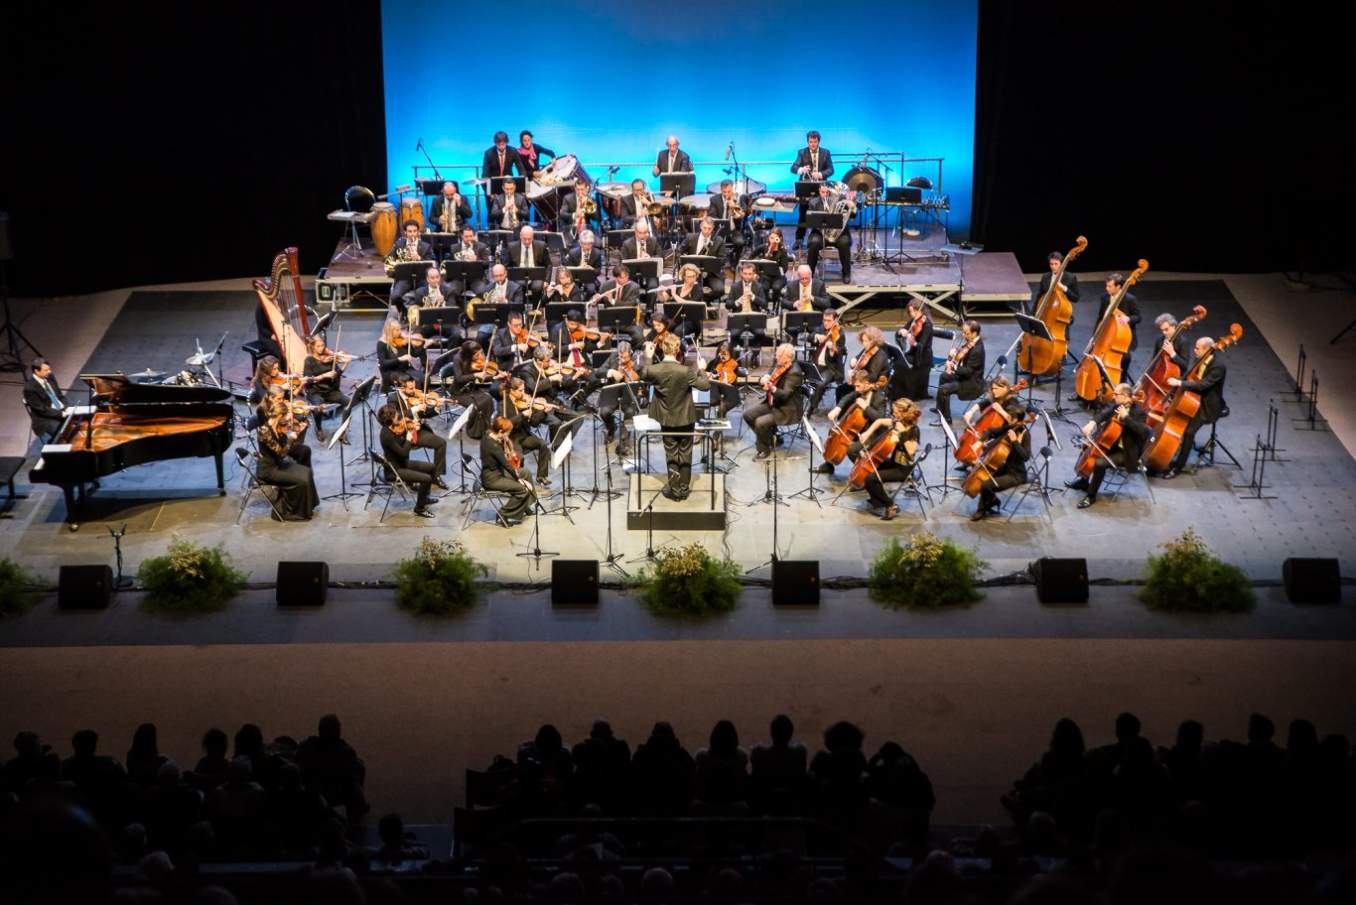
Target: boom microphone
729	150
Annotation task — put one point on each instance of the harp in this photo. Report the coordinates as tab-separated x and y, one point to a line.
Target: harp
284	304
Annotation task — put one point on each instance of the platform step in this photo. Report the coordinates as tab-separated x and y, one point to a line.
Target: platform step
701	511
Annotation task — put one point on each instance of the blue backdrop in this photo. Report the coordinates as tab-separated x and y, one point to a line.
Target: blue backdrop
608	81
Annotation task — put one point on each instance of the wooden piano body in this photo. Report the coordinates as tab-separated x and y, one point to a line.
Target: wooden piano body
134	424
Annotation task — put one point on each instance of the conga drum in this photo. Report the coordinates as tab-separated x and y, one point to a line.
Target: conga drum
384	227
412	209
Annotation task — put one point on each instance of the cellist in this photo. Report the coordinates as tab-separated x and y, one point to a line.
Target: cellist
1000	390
1210	386
1069	284
1125	452
1129	307
903	423
1013	472
870	400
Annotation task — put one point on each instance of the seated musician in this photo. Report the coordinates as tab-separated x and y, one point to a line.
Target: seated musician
782	403
620	291
528	251
1000	390
284	461
398	436
830	356
634	206
621	367
963	374
498	473
564	288
723	367
775	250
659	327
903	423
472	380
705	242
643	246
468	249
436	294
398	353
451	211
1069	283
502	290
532	155
726	206
268	374
585	254
869	399
1129	307
323	368
513	343
510	210
808	293
672	160
911	374
746	294
543	375
688	290
826	203
578	211
411	247
525	412
576	342
420	407
1125	453
1013	472
45	401
1210	386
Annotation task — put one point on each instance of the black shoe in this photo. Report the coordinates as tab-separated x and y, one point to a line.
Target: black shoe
422	512
440	483
825	468
761	455
979	515
544	480
1077	484
962	467
1086	502
780	441
935	422
1169	474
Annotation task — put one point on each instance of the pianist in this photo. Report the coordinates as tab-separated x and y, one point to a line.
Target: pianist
44	400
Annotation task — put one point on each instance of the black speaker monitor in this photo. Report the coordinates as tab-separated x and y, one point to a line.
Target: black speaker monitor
1061	580
303	583
1312	580
795	582
84	587
574	581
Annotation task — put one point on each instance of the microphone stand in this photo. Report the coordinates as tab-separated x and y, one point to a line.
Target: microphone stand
771	560
613	560
535	552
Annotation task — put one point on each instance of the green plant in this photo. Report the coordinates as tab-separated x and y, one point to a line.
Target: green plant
16	588
688	581
927	572
439	579
190	578
1187	576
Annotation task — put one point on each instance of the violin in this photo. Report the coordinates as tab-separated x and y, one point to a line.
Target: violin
1041	356
770	380
486	369
958	353
628	370
994	457
1109	343
829	346
726	370
418	398
291	381
863	360
1097	448
971	443
532	403
515	459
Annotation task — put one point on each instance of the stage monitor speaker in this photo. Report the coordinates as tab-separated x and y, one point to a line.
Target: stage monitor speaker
795	582
1312	580
84	587
574	581
1061	580
303	583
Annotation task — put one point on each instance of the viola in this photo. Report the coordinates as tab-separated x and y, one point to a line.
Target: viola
772	379
849	426
1182	406
971	443
830	345
1041	356
860	365
1110	341
515	460
994	457
1153	383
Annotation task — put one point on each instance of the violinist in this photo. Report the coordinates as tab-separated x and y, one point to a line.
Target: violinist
468	249
830	355
621	367
269	382
903	424
544	376
1069	284
398	436
323	368
1013	471
874	359
284	461
1129	307
501	470
1210	386
578	343
725	368
470	375
410	247
910	377
417	407
866	396
659	328
782	403
1125	452
963	373
513	342
775	251
398	353
525	412
746	294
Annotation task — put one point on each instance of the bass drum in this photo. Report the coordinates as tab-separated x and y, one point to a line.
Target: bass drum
384	227
412	209
864	180
554	181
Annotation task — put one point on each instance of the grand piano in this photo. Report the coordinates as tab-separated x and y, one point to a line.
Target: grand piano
130	424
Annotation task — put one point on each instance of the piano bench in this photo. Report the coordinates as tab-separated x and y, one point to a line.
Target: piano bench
9	470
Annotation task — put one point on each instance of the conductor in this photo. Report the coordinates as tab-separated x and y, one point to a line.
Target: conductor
673	408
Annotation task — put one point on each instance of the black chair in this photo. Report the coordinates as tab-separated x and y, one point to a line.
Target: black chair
386	482
253	484
496	498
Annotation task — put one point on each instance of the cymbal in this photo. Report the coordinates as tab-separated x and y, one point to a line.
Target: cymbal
614	189
147	374
200	359
741	187
701	199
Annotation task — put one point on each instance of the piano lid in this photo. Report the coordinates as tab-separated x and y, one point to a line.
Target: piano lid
118	389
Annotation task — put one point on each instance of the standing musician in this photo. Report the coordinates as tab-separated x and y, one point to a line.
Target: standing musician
726	206
323	368
411	247
746	294
1213	407
468	249
1126	451
284	461
1166	324
673	408
1129	307
564	289
578	211
775	250
500	159
910	377
398	354
471	373
828	203
903	423
501	470
830	355
398	435
509	210
525	412
781	405
530	154
672	160
808	292
435	294
418	407
704	242
451	211
634	206
619	290
963	373
814	164
621	367
1069	284
528	251
640	246
45	402
513	343
1013	471
870	399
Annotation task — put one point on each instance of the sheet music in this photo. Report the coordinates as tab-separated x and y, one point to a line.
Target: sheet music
79	410
644	423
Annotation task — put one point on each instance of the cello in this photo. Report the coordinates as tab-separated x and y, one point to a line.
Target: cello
971	443
1098	448
848	427
994	457
1110	341
870	461
1182	406
1153	383
1041	356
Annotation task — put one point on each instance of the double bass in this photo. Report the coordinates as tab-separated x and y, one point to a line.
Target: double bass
1182	406
994	457
971	443
1110	341
1041	356
1153	383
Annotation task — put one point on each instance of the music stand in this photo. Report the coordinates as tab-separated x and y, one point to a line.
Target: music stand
496	313
336	438
457	431
525	275
412	271
811	492
807	189
825	220
583	274
437	317
618	319
468	272
615	237
691	313
556	311
361	393
644	268
950	444
709	265
678	184
1036	329
497	185
493	237
555	241
560	462
801	321
767	270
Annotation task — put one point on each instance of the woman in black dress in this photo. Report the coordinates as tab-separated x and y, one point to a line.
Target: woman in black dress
284	462
903	423
910	377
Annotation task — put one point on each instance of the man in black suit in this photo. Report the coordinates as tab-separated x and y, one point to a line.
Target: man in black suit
450	210
528	251
434	293
500	291
830	357
501	160
673	408
1210	387
826	203
812	163
506	345
643	245
963	378
468	249
672	160
705	242
569	221
396	446
509	210
586	255
411	247
765	417
722	208
1069	282
621	290
46	403
1129	307
746	284
1125	453
808	293
635	205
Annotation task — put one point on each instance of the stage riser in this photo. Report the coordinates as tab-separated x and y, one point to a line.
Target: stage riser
693	514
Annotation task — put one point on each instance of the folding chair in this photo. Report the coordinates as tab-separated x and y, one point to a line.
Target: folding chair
915	484
386	482
1116	478
491	496
251	483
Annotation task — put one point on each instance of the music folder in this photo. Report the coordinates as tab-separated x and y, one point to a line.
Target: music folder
807	189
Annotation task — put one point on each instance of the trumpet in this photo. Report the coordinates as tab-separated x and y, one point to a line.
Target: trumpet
588	208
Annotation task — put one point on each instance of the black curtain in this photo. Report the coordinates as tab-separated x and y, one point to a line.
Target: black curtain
172	142
1202	136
